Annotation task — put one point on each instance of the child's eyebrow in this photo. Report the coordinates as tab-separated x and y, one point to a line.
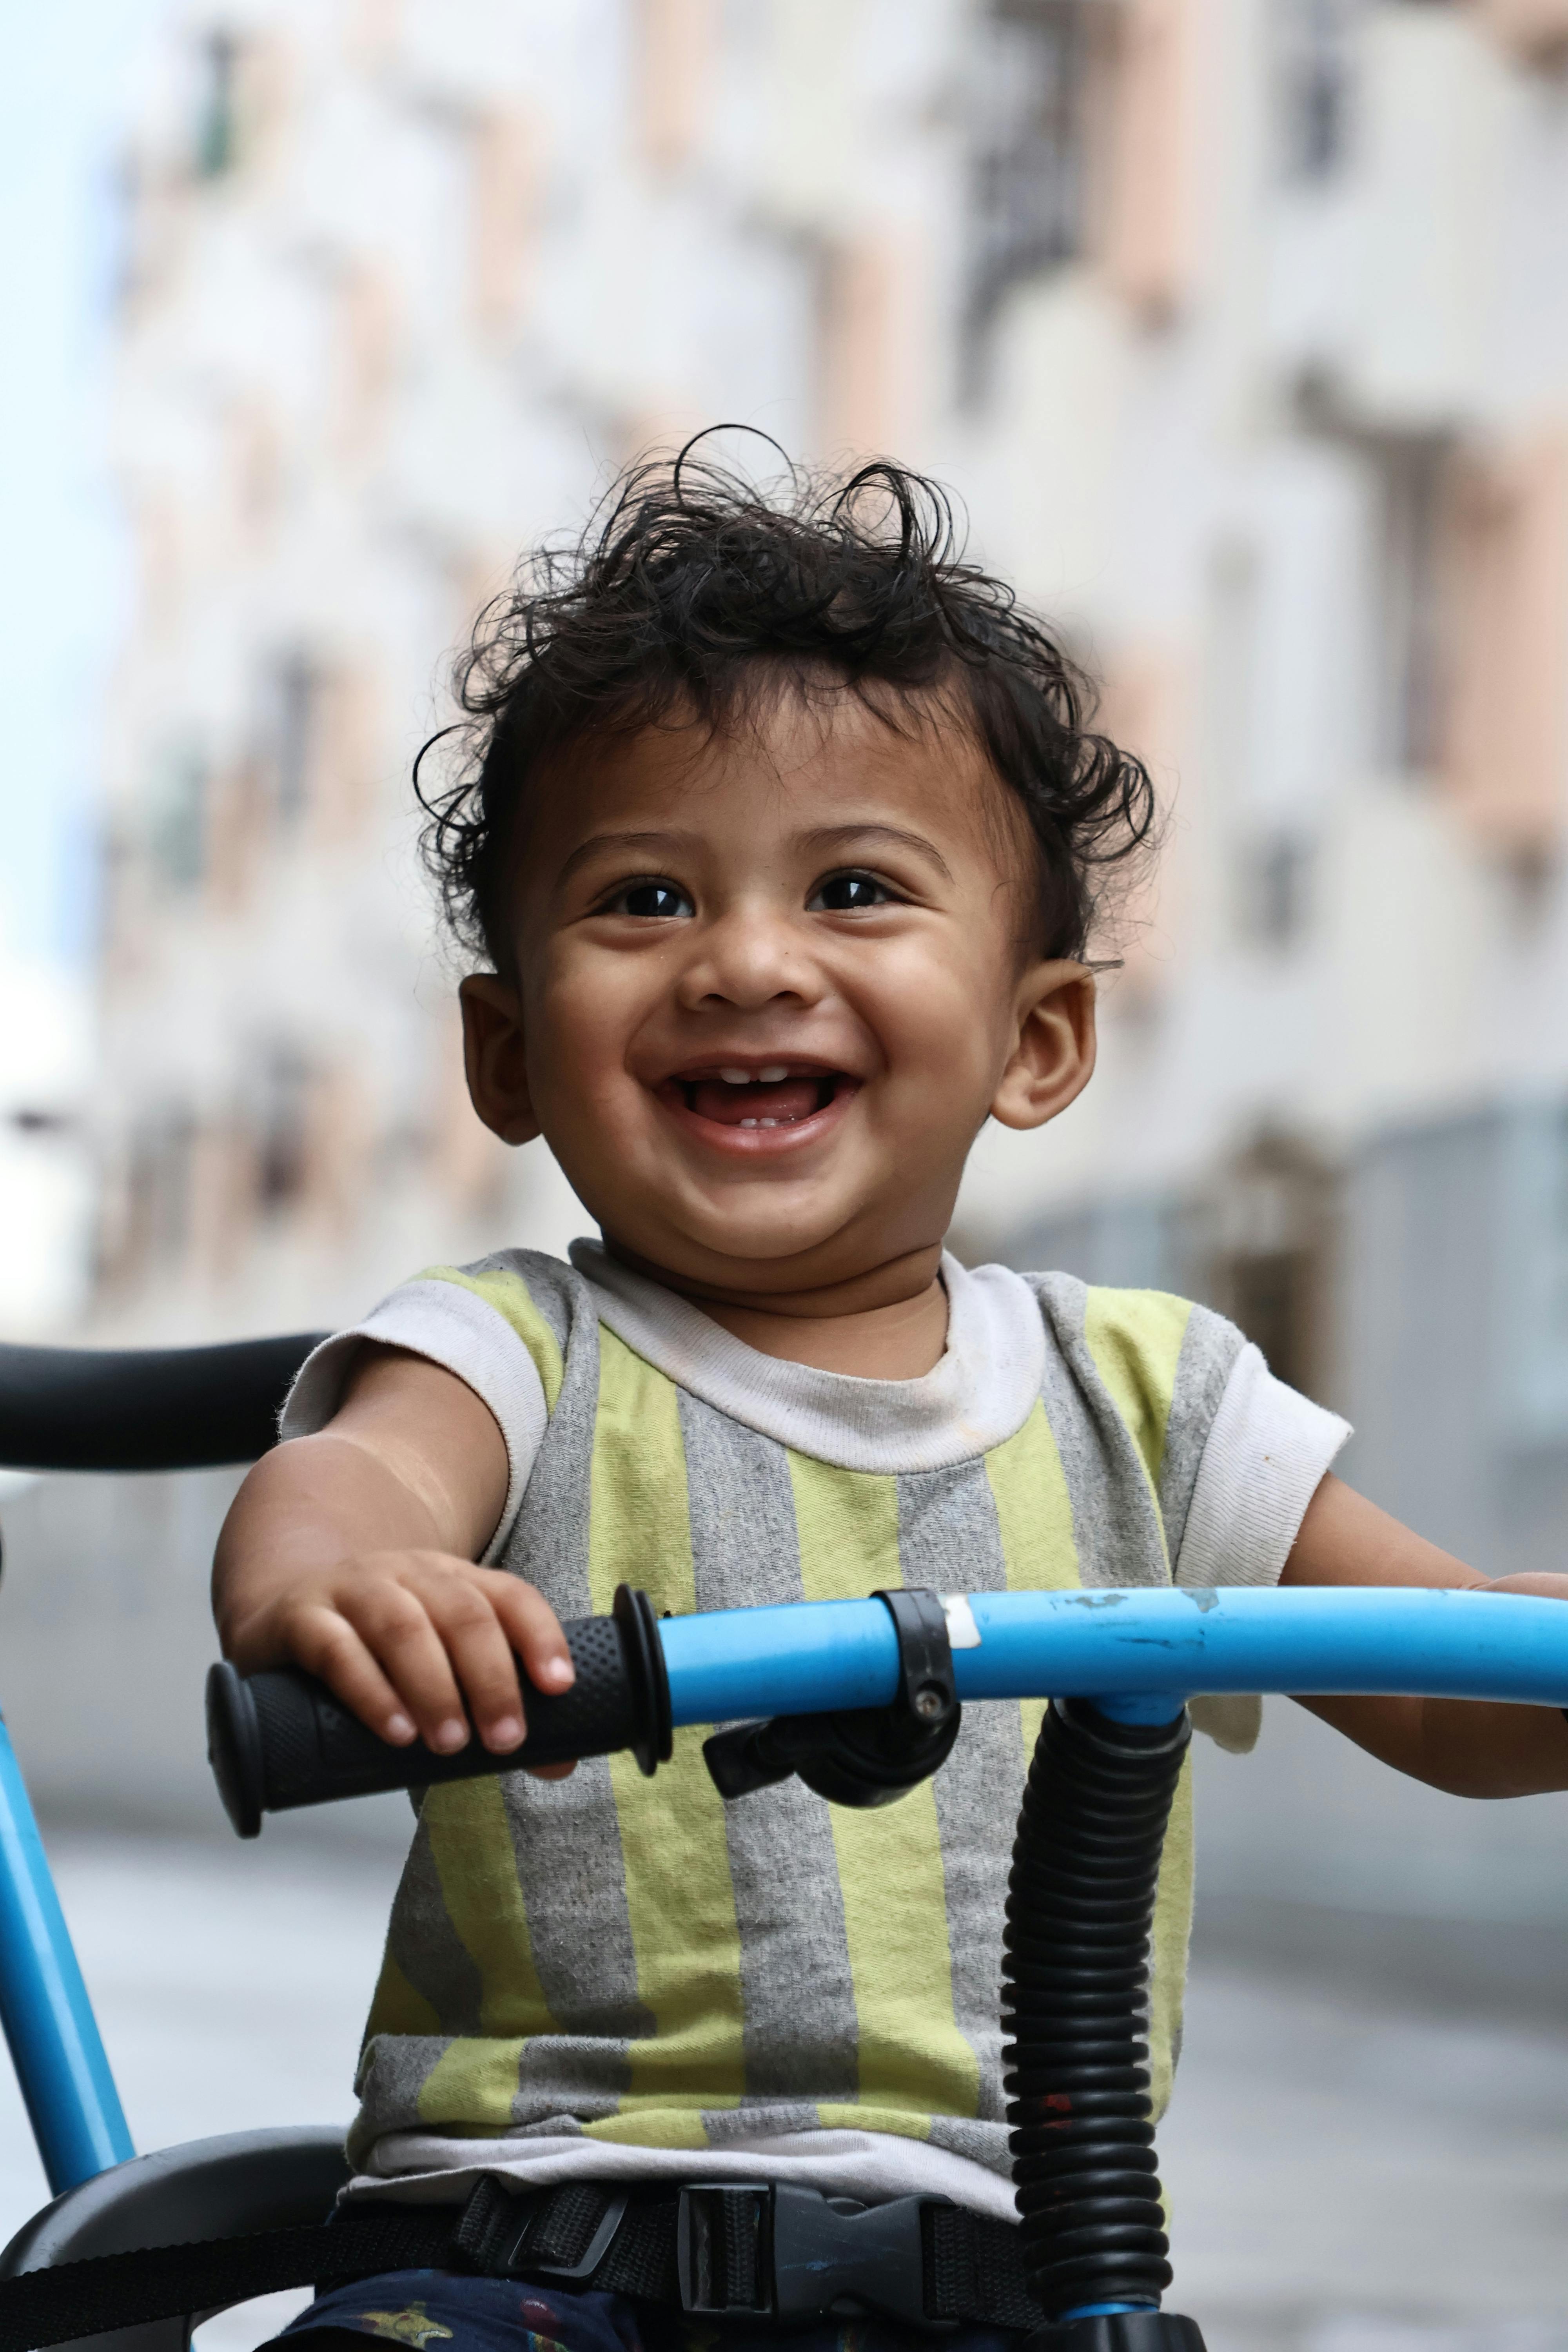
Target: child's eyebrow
842	836
653	843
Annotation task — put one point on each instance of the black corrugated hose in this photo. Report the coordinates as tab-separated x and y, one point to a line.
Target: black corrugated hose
1085	1867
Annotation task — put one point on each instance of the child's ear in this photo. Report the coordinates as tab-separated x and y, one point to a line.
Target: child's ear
495	1058
1053	1059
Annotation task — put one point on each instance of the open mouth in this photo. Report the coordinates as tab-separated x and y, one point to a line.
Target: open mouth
776	1095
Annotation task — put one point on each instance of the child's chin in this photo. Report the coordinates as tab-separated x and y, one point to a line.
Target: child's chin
740	1234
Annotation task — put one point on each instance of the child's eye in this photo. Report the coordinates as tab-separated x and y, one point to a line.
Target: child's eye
844	894
658	900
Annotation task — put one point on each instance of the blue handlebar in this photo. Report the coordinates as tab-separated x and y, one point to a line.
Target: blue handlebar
813	1657
1135	1650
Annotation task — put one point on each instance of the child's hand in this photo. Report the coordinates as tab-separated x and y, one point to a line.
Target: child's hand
405	1638
1473	1747
352	1554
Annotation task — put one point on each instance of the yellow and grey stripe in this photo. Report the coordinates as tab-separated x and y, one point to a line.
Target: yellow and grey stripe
679	1897
913	2061
794	1953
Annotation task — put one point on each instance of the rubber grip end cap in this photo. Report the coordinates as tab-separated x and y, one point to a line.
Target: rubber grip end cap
234	1747
642	1647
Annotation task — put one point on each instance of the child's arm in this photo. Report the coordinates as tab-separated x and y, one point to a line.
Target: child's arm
1471	1747
351	1553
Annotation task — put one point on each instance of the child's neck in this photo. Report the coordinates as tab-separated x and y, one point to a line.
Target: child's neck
890	1326
899	1342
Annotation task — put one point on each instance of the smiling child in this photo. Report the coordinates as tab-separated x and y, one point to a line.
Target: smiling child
779	832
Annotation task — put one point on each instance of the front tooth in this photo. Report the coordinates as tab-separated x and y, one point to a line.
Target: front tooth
773	1073
767	1122
736	1078
753	1122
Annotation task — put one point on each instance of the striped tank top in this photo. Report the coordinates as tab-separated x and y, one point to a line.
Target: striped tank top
634	1965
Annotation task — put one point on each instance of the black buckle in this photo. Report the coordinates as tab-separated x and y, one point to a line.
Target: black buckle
755	2251
825	2257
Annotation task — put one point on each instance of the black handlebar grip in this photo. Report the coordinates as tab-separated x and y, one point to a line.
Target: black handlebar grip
280	1738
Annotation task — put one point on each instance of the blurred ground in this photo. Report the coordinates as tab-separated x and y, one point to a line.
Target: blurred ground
1365	2154
1366	2169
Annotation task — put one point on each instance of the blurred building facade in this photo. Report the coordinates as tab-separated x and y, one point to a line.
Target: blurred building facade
1240	326
1241	329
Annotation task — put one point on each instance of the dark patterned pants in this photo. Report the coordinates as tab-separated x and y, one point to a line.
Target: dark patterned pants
443	2311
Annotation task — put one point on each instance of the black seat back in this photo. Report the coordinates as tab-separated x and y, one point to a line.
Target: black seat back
226	2188
145	1407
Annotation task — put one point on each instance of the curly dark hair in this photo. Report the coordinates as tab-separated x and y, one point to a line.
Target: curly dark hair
692	590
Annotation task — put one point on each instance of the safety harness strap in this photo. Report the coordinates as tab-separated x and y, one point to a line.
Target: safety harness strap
718	2250
975	2271
84	2298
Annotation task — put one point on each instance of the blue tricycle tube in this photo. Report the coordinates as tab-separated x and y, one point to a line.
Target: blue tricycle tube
60	2059
817	1657
809	1658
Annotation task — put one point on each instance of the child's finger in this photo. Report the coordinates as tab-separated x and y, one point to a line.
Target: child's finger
327	1645
395	1626
481	1655
533	1631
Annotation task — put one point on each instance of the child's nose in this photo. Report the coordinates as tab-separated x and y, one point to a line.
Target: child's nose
749	958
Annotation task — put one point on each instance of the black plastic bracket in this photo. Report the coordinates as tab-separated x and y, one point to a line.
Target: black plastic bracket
861	1755
928	1691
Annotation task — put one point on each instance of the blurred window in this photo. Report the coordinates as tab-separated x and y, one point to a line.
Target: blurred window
1028	95
678	51
1504	571
1408	478
149	1224
1140	131
178	802
1410	470
1264	1241
1230	669
1313	66
862	284
296	696
504	175
1533	1246
1275	888
216	111
282	1103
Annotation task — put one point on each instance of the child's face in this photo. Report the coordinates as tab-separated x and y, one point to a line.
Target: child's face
770	986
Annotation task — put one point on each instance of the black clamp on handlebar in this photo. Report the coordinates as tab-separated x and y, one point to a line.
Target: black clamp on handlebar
861	1755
